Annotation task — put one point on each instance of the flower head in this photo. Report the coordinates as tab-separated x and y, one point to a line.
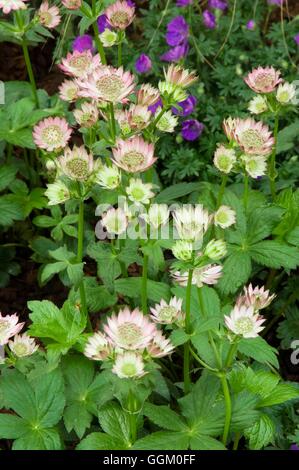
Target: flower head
52	133
115	221
23	345
57	193
9	5
49	16
177	31
258	105
138	116
229	126
108	38
186	107
218	4
167	122
224	217
79	64
72	4
76	163
243	321
130	330
175	54
253	137
83	43
286	92
255	165
192	129
134	155
108	177
160	346
167	313
216	249
87	115
257	297
68	91
172	91
183	3
263	80
139	192
209	274
128	365
183	250
250	25
143	64
147	95
103	23
9	326
158	214
120	15
296	39
191	222
209	19
179	76
224	159
97	347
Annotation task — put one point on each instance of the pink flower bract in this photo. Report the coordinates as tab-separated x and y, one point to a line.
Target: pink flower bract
263	80
52	133
134	155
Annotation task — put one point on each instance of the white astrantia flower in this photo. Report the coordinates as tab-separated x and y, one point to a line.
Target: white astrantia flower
9	326
255	165
286	92
178	94
183	250
139	192
224	217
128	365
216	249
158	215
224	159
258	105
243	321
97	348
167	122
160	346
108	177
167	313
257	297
115	221
57	193
23	345
108	38
208	274
191	222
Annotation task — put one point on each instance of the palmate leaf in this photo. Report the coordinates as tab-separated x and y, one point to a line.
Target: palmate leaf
275	255
261	433
236	271
260	350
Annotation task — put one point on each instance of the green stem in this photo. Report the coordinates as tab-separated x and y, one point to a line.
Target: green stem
211	339
231	353
236	441
221	190
119	54
272	171
246	191
187	383
203	363
96	32
160	115
112	121
228	408
144	284
132	415
83	302
30	71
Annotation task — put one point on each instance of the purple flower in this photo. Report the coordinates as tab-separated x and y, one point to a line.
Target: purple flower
83	43
296	39
143	64
176	53
183	3
131	4
218	4
153	107
187	106
275	2
294	447
250	25
103	23
209	19
177	31
192	129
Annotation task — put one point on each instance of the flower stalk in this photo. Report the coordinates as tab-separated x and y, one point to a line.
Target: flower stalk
187	383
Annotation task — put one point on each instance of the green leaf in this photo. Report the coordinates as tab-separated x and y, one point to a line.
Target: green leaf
201	442
44	221
7	175
236	272
50	269
282	393
287	136
244	412
259	349
176	191
10	210
275	255
75	273
131	287
261	433
101	441
12	427
164	417
163	440
115	422
40	439
179	337
18	395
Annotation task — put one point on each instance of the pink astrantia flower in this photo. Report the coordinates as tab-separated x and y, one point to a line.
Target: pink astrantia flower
229	126
253	137
52	133
80	64
243	321
179	76
72	4
49	16
9	5
115	221
209	274
76	163
263	80
257	297
97	347
167	313
130	330
107	84
68	91
120	15
23	345
138	117
134	155
9	326
87	115
160	346
147	95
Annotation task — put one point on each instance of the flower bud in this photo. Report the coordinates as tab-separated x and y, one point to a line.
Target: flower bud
216	249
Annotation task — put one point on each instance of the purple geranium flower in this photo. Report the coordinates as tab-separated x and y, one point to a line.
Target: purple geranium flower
294	447
296	39
143	64
209	19
176	53
218	4
187	106
103	23
275	2
192	129
131	4
83	43
183	3
250	25
153	107
177	31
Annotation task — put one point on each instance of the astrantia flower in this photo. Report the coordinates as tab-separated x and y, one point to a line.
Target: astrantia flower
134	155
224	217
108	177
68	90
167	122
87	116
108	38
23	345
97	347
216	249
143	64
138	116
168	90
167	313
192	129
158	214
191	222
72	4
130	330
185	107
218	4
179	76
175	54
160	346
128	365
243	321
83	43
139	192
147	95
209	19
9	326
253	137
177	31
209	274
182	250
79	64
52	133
258	105
115	221
57	193
224	159
263	80
229	126
120	15
49	16
286	92
9	5
107	84
255	165
257	297
76	163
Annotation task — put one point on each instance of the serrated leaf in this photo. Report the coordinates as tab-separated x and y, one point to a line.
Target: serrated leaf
275	255
259	349
163	440
261	433
282	393
164	417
